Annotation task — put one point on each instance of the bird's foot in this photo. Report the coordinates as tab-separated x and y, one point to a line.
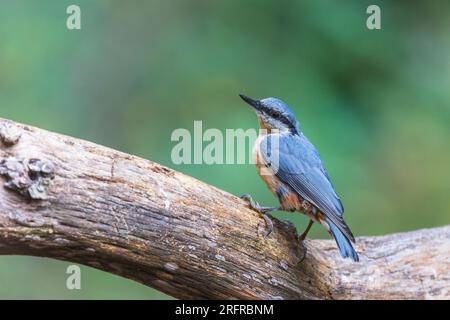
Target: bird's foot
301	239
269	225
261	210
255	205
305	233
304	248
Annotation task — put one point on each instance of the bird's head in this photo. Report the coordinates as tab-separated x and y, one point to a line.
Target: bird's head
274	114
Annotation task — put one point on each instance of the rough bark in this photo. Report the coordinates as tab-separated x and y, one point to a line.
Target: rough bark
73	200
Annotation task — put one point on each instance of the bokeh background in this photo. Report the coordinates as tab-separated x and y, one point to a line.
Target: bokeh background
375	103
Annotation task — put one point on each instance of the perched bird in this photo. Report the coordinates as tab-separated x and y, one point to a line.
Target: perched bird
292	169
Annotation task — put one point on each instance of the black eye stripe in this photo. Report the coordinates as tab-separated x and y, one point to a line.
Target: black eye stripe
278	116
274	113
283	119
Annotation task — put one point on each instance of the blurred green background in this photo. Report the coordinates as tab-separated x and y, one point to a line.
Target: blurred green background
375	103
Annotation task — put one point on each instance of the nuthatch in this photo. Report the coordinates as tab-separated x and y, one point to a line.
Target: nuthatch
294	172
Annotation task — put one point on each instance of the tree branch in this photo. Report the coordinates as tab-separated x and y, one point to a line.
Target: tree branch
73	200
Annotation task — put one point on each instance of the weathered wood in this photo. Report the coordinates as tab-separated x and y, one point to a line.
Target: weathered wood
73	200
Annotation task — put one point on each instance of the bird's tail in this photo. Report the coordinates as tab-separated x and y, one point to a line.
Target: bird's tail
343	242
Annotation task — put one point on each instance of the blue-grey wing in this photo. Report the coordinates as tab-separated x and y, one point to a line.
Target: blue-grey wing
297	163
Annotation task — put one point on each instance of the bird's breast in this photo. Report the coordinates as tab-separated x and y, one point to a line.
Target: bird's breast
257	150
263	170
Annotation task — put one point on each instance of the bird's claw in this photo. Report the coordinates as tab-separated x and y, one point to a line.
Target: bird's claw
261	210
255	205
251	203
269	225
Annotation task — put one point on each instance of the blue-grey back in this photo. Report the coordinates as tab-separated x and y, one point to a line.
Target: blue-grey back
298	164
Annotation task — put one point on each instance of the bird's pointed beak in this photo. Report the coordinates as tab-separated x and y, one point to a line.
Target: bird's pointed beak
256	104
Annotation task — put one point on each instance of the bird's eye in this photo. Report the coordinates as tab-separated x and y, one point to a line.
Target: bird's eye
274	114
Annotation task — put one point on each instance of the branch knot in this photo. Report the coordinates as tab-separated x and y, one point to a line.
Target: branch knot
30	178
9	133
